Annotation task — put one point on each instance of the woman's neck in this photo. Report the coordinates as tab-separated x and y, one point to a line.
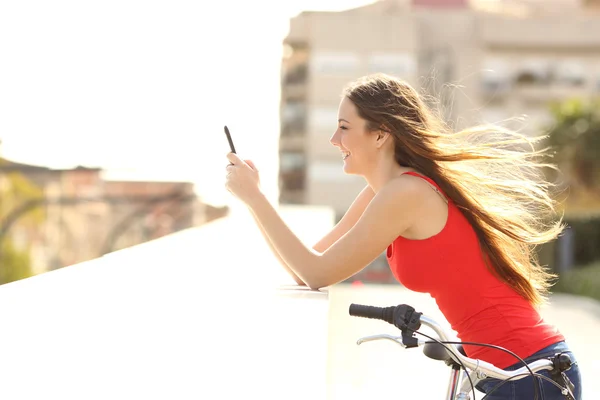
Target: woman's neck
384	172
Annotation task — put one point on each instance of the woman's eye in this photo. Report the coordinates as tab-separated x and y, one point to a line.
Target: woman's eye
343	128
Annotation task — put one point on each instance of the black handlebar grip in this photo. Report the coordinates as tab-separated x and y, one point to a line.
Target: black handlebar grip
382	313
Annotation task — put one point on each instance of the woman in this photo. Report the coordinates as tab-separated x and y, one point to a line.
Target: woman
457	213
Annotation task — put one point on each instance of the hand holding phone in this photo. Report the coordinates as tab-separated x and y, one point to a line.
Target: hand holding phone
231	146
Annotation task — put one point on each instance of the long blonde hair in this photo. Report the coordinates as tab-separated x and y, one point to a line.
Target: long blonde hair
494	175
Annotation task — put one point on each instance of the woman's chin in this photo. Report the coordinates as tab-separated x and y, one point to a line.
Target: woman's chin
347	168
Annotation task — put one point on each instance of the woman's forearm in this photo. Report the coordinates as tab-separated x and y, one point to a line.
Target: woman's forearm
275	252
303	261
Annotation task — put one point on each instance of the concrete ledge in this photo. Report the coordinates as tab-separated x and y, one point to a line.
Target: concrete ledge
201	313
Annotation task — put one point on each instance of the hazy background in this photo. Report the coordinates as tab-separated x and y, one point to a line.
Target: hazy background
143	88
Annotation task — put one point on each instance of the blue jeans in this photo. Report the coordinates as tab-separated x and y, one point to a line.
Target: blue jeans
523	389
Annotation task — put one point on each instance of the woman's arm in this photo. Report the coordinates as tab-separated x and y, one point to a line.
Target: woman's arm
387	215
275	252
349	219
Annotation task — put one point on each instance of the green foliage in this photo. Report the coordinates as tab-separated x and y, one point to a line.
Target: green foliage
582	281
16	264
15	190
575	136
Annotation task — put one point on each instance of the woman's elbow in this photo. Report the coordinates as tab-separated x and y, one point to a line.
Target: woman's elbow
319	277
300	282
310	285
317	284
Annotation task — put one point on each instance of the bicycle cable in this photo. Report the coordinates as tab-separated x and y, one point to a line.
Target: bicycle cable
536	390
388	314
516	376
443	343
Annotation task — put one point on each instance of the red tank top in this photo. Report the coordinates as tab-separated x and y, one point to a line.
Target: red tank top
479	307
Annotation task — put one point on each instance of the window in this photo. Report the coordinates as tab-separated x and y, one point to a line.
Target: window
533	71
292	170
399	64
334	63
296	74
495	76
293	117
291	161
570	72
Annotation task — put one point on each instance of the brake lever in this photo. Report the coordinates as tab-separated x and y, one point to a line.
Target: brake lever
395	339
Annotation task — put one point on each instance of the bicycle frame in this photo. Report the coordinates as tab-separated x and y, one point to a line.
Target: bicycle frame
455	379
459	386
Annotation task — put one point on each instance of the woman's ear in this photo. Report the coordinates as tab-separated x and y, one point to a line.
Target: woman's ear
382	137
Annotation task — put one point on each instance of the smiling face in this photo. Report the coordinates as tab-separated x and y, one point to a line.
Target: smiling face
357	144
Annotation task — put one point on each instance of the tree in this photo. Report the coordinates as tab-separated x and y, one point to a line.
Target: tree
575	137
15	262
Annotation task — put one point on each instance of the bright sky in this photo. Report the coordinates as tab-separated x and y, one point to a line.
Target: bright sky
143	88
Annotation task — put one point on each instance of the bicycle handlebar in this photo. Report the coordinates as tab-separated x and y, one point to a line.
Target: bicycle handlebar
385	314
407	320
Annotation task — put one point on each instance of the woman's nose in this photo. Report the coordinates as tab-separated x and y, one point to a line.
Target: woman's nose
334	139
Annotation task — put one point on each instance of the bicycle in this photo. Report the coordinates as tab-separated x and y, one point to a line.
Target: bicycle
461	382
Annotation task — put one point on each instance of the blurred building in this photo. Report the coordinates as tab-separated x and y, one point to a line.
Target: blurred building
85	216
57	239
482	61
143	211
487	61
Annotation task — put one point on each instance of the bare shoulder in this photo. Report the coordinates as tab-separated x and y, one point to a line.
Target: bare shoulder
404	190
411	192
406	185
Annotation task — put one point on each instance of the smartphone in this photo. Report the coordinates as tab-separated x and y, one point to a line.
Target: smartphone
231	146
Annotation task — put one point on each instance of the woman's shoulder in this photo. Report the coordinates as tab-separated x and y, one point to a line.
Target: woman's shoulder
405	189
412	181
415	190
404	184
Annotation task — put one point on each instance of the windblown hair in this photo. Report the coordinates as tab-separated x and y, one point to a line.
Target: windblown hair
493	175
